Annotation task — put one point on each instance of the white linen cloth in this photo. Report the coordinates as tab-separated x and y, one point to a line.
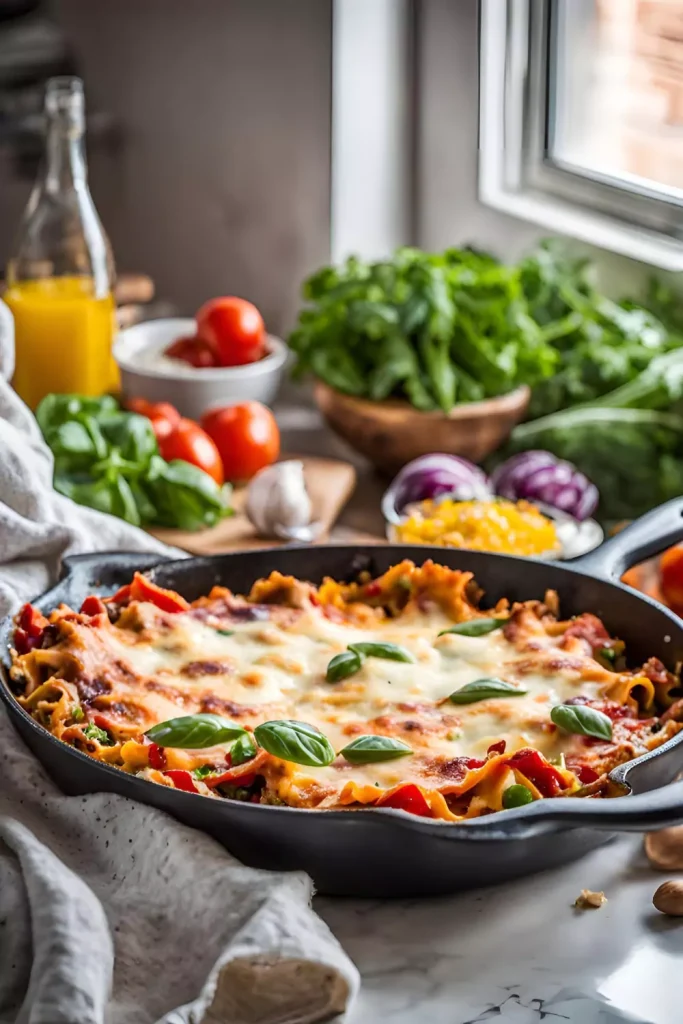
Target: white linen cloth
111	911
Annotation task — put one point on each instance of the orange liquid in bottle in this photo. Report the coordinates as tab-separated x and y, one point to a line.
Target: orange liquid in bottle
63	337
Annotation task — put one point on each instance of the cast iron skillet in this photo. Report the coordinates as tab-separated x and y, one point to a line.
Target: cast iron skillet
388	852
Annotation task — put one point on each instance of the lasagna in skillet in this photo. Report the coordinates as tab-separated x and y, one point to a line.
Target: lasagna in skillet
391	692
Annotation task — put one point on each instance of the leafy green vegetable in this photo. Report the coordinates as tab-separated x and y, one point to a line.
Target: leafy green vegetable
474	627
243	749
109	460
378	649
582	720
634	456
295	741
93	732
485	689
194	732
204	771
343	665
517	796
435	329
77	713
370	749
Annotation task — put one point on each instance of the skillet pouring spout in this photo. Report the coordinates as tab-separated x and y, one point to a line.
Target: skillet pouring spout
380	853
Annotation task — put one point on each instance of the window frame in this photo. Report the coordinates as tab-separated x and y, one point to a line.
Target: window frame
518	174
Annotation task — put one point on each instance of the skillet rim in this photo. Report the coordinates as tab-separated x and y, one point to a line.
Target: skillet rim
541	817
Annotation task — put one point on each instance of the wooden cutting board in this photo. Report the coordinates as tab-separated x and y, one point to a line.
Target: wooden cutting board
330	483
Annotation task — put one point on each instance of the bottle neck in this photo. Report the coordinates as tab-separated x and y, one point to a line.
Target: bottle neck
66	164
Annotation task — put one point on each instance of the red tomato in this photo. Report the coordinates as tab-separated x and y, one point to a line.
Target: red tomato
189	442
195	351
93	606
671	578
163	416
234	329
246	436
157	757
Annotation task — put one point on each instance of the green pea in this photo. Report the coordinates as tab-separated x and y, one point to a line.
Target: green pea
517	796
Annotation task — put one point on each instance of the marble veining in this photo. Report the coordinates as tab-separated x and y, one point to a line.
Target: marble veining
521	952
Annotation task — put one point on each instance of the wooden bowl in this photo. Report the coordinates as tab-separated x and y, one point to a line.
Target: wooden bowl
392	433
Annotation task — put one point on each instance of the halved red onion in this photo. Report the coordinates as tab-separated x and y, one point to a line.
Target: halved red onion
435	476
540	476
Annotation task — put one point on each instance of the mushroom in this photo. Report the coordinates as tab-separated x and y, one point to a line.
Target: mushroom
664	849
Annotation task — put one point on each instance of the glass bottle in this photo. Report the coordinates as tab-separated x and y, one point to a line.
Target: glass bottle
60	282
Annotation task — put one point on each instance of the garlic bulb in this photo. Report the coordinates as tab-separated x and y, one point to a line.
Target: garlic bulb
277	497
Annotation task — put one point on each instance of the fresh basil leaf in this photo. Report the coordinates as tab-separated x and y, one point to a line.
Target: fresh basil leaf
485	689
133	435
295	741
226	632
369	749
372	649
204	771
343	665
582	720
183	495
54	409
194	732
517	796
93	732
474	627
77	713
243	749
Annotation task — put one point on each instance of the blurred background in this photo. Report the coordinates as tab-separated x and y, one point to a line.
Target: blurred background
216	130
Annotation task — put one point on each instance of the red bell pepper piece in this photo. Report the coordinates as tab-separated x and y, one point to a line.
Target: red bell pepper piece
157	757
544	776
407	798
31	620
583	772
496	748
143	589
93	606
182	780
29	628
122	595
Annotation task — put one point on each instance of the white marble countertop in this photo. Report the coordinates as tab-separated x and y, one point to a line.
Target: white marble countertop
520	952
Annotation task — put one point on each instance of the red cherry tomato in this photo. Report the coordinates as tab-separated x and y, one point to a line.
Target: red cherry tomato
195	351
246	436
407	798
234	329
671	578
189	442
162	415
93	606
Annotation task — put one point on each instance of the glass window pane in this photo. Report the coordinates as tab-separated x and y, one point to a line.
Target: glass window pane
617	91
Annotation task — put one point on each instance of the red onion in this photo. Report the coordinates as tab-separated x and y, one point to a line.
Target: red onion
434	476
539	476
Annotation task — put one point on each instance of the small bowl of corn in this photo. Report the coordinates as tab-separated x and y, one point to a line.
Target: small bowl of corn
496	525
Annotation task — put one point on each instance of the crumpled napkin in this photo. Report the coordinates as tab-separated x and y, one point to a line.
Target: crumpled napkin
111	910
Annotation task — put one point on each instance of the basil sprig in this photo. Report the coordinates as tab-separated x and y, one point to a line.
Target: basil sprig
350	661
295	741
485	689
194	732
243	749
474	627
582	720
343	665
369	749
378	649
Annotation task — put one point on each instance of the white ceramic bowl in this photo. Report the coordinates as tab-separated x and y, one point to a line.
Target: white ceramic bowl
138	352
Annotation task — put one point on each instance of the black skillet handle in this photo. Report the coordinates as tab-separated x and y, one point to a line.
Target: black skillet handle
648	536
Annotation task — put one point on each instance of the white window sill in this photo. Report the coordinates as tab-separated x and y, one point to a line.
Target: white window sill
586	226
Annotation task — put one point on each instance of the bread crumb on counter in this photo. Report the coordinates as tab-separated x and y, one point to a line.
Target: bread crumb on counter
590	900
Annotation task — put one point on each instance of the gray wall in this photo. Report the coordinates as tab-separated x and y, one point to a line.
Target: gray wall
223	183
